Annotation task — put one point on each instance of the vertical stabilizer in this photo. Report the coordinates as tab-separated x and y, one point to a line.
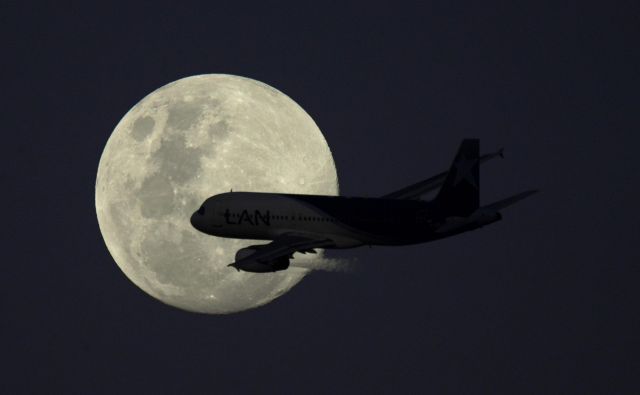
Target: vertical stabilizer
460	193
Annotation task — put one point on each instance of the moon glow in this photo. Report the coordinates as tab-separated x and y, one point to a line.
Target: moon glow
193	138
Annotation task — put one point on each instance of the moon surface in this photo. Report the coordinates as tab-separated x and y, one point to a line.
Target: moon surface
188	140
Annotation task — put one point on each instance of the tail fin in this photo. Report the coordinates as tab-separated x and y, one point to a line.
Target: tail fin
460	193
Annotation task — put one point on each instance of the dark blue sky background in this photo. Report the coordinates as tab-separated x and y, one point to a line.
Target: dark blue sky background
545	301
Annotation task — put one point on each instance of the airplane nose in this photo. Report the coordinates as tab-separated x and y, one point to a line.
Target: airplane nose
196	220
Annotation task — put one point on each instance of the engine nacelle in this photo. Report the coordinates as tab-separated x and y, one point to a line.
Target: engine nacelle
245	253
245	263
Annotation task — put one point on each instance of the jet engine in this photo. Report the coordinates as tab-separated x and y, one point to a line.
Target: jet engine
245	263
245	252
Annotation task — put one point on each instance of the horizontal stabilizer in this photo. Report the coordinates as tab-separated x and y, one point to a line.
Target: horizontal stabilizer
499	205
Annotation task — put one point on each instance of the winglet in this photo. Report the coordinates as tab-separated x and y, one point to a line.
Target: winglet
501	153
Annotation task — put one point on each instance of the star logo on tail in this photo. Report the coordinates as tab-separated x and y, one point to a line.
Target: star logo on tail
464	167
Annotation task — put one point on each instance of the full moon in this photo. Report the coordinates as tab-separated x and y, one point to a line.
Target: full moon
186	141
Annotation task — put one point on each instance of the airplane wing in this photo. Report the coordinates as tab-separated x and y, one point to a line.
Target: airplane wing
275	255
415	191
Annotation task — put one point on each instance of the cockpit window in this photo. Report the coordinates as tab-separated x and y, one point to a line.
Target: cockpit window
201	210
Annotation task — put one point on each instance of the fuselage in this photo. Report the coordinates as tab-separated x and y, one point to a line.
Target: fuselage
347	221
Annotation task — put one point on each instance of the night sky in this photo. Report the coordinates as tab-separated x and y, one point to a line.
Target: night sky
545	301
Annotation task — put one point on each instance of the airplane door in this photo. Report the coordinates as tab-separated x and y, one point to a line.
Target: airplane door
217	216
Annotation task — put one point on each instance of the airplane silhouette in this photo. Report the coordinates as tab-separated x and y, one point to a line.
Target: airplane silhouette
302	223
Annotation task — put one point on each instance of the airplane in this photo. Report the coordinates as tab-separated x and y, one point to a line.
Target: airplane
303	223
